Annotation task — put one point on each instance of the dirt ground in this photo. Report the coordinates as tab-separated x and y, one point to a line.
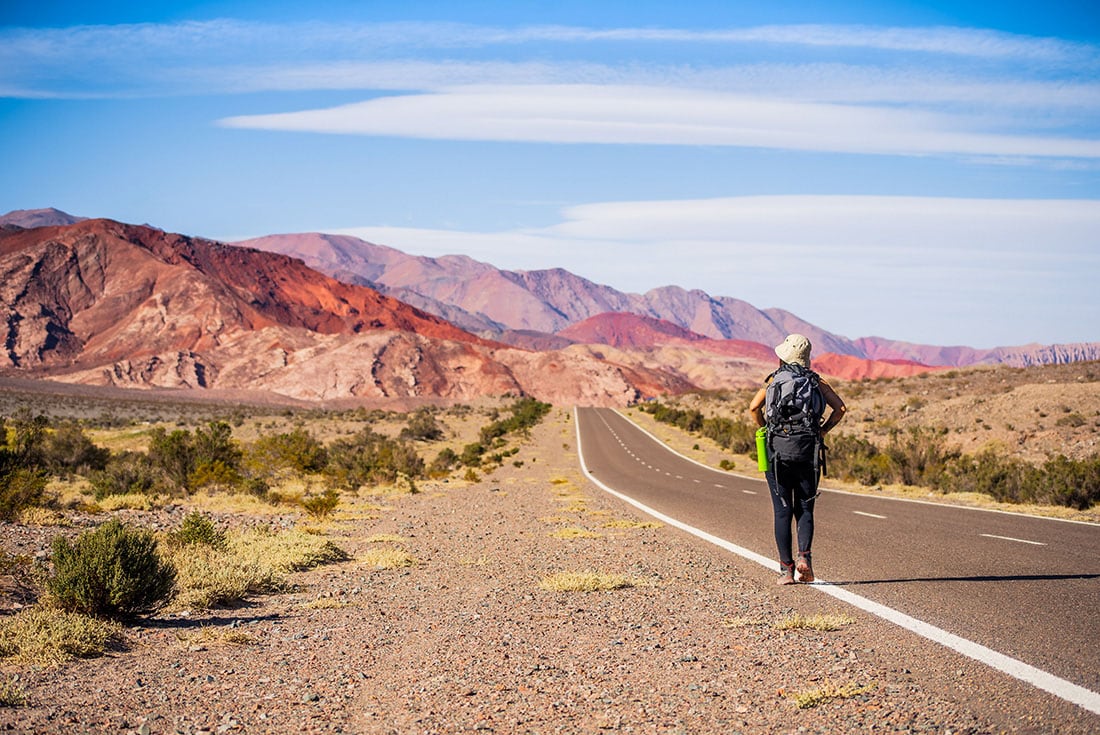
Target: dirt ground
467	640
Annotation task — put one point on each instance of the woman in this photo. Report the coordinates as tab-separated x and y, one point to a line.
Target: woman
793	484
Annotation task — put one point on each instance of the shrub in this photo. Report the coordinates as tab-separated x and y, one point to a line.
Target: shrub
22	482
370	458
114	571
45	636
210	452
66	450
319	506
198	529
443	463
126	473
422	426
19	488
297	450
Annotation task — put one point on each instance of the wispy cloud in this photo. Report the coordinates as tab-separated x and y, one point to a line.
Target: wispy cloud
1012	263
664	116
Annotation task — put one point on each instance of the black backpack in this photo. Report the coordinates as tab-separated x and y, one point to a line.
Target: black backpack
793	409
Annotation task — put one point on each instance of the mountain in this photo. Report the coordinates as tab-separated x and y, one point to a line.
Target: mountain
496	303
28	218
105	303
709	363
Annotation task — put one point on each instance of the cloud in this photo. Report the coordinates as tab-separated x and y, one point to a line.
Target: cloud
663	116
936	270
222	55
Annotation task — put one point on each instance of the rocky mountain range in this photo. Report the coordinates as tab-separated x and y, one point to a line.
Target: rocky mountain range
498	303
104	303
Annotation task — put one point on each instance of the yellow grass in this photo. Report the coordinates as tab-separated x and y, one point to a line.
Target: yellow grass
827	692
383	538
573	532
130	501
628	524
387	558
38	516
813	622
46	636
586	582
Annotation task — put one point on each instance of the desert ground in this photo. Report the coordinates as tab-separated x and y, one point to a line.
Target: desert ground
449	613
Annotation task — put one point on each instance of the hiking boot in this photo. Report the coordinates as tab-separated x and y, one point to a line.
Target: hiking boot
804	567
786	573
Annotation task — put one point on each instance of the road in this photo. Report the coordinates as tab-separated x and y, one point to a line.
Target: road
1023	586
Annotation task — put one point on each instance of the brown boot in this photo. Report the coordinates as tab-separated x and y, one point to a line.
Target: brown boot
786	573
804	567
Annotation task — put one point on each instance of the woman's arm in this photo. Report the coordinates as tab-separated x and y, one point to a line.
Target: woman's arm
835	403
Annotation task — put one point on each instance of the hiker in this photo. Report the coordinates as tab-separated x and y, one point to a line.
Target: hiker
791	405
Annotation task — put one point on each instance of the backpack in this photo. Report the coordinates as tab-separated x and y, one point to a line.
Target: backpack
793	408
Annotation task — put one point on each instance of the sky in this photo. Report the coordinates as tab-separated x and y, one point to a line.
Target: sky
921	171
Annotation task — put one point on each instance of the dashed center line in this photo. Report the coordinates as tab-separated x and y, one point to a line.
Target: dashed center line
869	515
1018	540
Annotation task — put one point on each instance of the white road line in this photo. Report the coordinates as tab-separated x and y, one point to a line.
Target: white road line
869	515
1059	687
749	492
1018	540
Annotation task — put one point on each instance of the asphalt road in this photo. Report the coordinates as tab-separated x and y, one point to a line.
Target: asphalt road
1022	586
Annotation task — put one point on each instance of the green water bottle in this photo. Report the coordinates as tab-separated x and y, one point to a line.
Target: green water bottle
762	449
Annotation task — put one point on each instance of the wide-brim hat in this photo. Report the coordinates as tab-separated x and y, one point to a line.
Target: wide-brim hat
795	350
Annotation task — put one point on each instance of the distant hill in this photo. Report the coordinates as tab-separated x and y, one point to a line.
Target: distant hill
104	303
492	302
28	218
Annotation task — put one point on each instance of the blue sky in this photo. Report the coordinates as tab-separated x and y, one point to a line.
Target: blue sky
927	172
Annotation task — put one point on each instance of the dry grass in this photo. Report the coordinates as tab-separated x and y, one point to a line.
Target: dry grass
11	693
828	692
587	582
44	636
129	501
574	532
386	538
629	524
38	516
813	622
387	558
255	561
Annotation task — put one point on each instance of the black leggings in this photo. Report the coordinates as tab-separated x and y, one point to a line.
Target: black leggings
793	489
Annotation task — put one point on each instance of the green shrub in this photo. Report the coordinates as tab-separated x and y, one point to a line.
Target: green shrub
210	452
114	571
198	529
297	450
422	426
19	488
319	506
443	463
67	450
370	458
125	473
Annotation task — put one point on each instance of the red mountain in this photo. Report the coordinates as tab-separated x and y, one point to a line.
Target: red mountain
102	302
745	360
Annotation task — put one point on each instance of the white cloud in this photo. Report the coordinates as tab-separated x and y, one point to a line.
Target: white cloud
941	271
662	116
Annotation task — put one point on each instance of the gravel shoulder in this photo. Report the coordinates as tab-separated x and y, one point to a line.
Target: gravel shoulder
467	640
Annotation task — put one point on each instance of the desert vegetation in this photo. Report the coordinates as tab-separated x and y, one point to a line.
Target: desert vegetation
977	431
77	600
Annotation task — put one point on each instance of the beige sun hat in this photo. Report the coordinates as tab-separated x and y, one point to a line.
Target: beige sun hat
795	350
